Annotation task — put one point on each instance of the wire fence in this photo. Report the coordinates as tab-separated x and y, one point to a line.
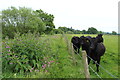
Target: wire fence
97	64
94	61
81	58
95	72
90	67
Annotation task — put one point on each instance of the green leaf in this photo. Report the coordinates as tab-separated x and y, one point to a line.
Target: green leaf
34	62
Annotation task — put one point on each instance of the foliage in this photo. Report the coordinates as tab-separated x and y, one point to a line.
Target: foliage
54	60
100	32
58	31
84	31
92	30
47	19
114	33
77	32
69	32
22	20
64	29
24	54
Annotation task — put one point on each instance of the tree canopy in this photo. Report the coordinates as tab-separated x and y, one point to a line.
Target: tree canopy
92	30
114	33
24	20
47	19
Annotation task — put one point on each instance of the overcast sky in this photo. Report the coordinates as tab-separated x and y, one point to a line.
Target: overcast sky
78	14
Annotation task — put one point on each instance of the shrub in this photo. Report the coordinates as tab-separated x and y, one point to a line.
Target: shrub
69	32
24	54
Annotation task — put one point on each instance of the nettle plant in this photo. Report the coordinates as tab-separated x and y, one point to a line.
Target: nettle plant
24	55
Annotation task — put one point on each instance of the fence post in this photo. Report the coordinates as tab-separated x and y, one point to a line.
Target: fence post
73	54
70	49
85	63
67	42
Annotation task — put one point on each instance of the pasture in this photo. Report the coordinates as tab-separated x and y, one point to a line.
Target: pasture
53	58
110	59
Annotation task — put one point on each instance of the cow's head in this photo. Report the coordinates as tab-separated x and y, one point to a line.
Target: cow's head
99	38
95	41
75	40
84	40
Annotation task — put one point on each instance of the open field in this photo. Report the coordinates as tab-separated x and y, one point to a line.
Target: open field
54	58
110	59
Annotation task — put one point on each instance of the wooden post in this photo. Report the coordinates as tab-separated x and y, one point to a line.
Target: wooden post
85	63
73	54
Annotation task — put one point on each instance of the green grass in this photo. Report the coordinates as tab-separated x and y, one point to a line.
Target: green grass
110	59
58	50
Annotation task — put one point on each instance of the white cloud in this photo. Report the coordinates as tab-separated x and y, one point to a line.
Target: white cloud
80	14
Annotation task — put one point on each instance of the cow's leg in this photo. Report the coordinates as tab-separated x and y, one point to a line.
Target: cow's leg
93	62
88	60
79	49
98	61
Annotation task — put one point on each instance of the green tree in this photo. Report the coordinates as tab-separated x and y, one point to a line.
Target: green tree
47	19
21	20
69	32
84	32
114	33
100	32
64	29
92	30
77	31
58	31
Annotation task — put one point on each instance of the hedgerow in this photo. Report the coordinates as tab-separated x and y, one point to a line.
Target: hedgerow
25	53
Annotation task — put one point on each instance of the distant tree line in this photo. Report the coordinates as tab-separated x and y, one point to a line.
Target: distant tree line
90	30
24	20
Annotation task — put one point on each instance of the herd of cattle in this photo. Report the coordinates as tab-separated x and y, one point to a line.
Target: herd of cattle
93	46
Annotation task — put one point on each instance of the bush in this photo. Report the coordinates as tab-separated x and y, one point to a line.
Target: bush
58	31
24	54
21	20
69	32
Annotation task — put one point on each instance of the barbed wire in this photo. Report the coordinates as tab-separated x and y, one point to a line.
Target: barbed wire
102	67
90	67
98	64
95	72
